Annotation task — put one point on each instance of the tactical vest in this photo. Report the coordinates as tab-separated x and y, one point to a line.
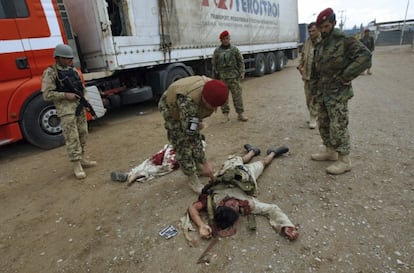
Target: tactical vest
239	177
226	63
226	59
233	177
72	77
191	87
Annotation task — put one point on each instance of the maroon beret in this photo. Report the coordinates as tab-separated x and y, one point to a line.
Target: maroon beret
224	34
326	14
215	93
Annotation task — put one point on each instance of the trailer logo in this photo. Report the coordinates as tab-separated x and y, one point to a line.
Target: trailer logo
221	4
258	7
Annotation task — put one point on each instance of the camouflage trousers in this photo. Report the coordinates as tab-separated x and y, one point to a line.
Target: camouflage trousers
311	101
236	93
333	123
188	149
75	132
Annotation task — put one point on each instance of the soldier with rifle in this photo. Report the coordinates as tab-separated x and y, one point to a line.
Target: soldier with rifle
233	194
62	85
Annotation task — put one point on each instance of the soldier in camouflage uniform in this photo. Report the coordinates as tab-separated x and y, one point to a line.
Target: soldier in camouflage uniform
184	105
305	67
338	60
74	127
228	66
369	42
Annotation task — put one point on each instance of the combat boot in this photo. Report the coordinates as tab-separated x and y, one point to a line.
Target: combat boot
312	122
88	163
341	166
195	183
78	170
278	151
329	155
226	117
249	148
242	117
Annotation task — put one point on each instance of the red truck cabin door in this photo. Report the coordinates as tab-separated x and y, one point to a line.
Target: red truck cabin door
13	58
29	32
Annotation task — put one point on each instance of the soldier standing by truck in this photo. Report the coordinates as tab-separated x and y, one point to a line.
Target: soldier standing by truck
338	60
228	66
60	82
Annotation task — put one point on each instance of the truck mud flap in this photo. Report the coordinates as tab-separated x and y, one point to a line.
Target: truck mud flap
95	100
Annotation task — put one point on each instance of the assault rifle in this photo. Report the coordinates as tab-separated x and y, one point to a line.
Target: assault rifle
83	103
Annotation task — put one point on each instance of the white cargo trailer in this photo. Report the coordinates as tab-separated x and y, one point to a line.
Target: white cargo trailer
146	45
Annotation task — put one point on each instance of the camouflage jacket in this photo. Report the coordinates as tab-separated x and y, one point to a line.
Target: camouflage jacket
227	63
182	100
306	57
368	42
338	60
179	104
50	92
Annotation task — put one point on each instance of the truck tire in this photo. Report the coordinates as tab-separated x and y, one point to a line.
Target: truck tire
260	65
40	124
175	74
280	60
270	63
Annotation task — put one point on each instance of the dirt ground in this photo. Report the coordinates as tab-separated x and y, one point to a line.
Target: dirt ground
361	221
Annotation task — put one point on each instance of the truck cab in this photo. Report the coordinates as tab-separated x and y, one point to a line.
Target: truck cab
30	32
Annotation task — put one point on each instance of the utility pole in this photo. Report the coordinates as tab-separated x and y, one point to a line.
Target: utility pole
403	27
342	22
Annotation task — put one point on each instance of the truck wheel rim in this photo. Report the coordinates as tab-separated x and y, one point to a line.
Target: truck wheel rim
50	122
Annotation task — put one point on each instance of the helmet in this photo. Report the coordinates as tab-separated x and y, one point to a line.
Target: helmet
64	51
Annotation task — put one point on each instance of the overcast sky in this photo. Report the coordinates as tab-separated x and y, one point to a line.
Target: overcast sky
355	12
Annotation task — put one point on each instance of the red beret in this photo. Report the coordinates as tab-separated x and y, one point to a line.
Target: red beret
326	14
224	34
215	93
